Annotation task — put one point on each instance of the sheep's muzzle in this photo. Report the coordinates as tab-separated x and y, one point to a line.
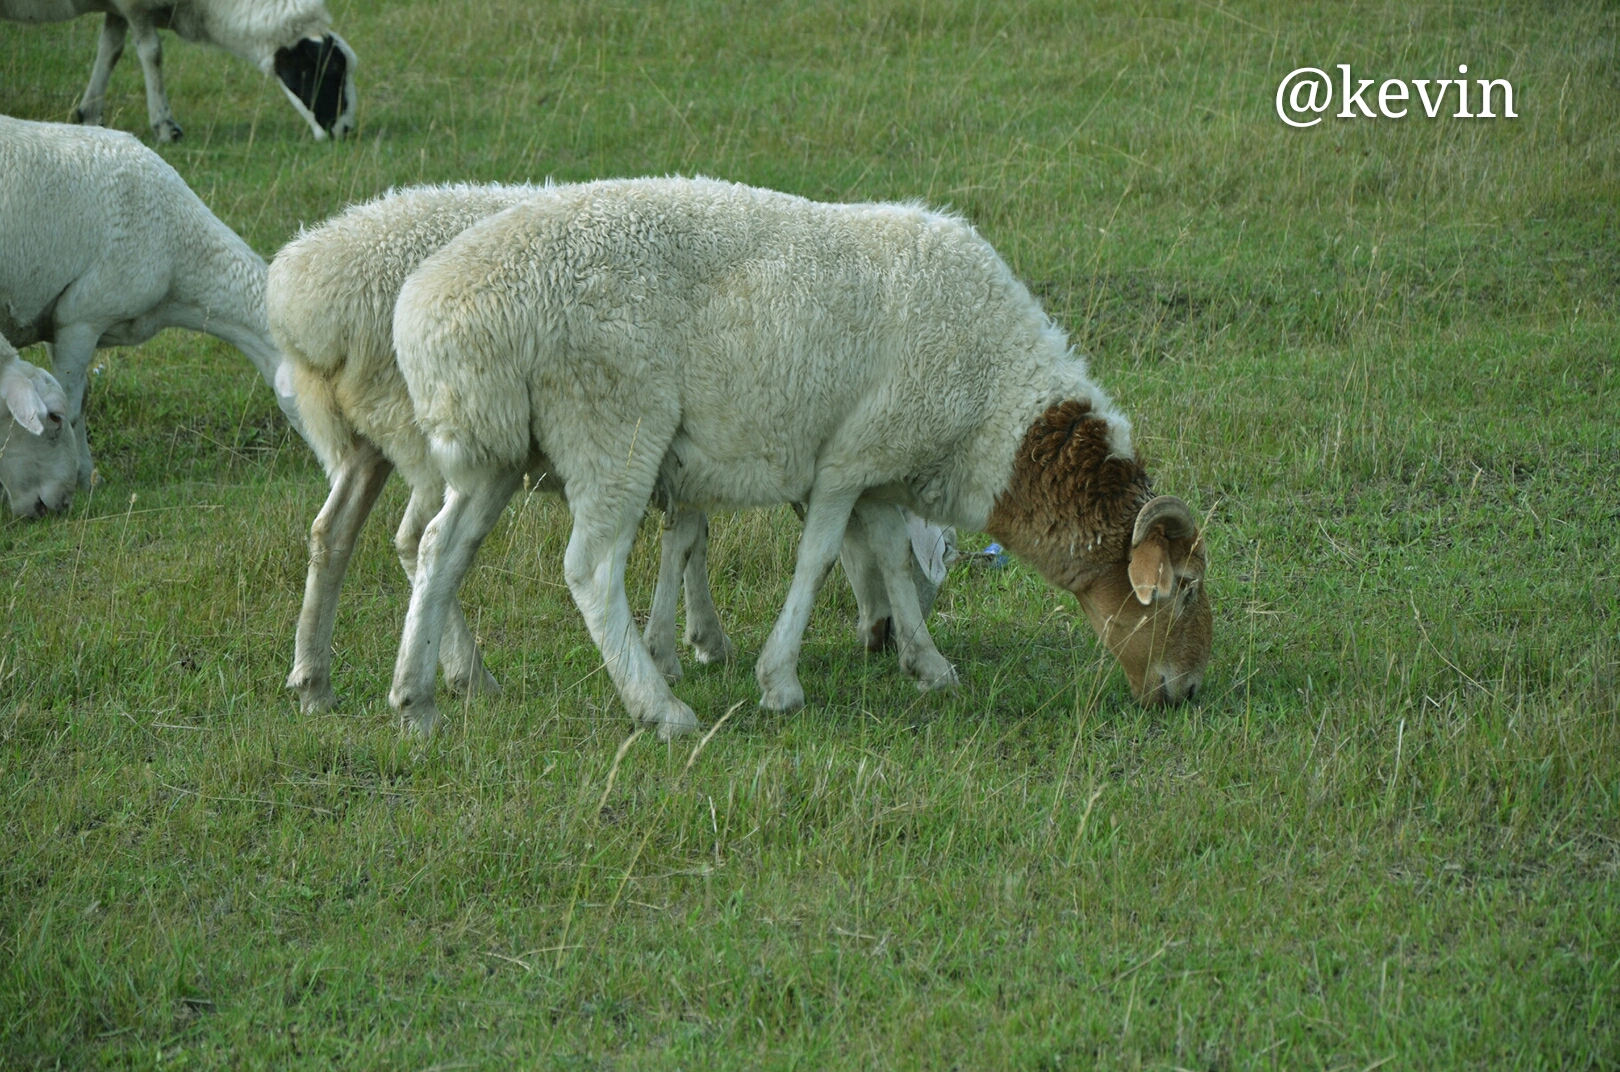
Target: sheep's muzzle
1152	610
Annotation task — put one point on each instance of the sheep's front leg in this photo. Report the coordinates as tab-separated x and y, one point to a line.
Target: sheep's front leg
458	650
594	566
704	633
150	49
889	547
777	669
355	485
71	353
674	548
875	622
683	554
108	49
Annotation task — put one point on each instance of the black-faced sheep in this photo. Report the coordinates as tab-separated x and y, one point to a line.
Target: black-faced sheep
290	39
105	245
744	347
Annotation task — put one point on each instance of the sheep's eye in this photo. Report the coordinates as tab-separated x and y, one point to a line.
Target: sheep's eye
56	420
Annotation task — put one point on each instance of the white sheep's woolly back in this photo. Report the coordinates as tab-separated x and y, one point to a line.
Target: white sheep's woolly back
775	337
252	29
330	301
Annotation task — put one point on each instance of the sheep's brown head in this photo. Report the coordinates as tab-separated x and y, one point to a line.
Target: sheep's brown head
1079	507
1151	610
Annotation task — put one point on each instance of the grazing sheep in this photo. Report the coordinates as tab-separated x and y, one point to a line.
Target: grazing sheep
105	245
39	461
745	347
330	303
288	38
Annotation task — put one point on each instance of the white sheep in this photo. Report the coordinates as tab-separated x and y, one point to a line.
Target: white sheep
39	461
288	38
105	245
746	347
330	301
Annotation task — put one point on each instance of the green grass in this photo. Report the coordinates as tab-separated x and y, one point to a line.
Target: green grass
1382	356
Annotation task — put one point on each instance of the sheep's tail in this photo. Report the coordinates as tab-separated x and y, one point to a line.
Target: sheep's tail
326	429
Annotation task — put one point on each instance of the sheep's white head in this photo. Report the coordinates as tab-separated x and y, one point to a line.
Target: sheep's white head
1153	612
39	455
317	74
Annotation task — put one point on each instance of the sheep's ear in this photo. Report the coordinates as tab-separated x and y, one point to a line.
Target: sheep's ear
1162	541
1150	569
23	399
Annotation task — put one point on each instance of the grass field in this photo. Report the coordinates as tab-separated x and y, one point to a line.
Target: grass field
1381	355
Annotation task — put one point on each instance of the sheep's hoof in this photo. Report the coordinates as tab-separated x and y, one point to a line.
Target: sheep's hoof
315	695
316	705
167	131
940	683
677	720
316	701
668	663
782	698
420	721
481	683
709	648
933	673
416	710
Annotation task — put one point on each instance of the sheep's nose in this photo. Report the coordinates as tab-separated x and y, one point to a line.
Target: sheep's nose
1178	688
1167	686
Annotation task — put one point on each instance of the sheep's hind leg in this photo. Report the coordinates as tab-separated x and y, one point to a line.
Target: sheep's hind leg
150	49
598	548
458	650
443	558
777	669
359	479
890	547
108	49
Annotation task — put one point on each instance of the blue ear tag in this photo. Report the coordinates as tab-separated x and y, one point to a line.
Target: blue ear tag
993	556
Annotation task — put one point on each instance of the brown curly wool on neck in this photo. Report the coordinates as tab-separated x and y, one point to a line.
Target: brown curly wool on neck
1071	502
